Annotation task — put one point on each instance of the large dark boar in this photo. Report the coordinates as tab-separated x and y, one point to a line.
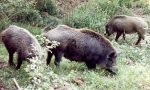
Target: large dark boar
82	45
122	24
20	40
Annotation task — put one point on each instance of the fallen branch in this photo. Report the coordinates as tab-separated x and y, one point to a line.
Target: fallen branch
17	85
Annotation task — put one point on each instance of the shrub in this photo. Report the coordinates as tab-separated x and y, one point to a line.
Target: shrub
41	75
24	11
20	11
47	6
27	16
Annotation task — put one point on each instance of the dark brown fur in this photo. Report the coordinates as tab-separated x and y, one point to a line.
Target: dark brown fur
20	40
82	45
123	24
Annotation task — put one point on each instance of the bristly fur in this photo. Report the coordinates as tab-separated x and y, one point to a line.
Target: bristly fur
81	45
17	39
96	35
123	24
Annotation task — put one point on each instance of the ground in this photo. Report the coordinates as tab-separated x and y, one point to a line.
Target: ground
3	64
133	63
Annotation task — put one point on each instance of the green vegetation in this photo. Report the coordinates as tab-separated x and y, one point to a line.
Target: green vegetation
47	6
33	12
133	61
96	13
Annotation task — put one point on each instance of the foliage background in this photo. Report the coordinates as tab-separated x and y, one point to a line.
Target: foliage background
133	61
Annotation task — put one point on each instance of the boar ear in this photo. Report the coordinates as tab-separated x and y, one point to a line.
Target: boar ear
112	55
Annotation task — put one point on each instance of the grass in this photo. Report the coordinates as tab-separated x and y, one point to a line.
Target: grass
3	54
133	74
6	74
33	29
95	14
133	61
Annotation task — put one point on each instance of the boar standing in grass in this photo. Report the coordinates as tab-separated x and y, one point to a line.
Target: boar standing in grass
123	24
82	45
20	40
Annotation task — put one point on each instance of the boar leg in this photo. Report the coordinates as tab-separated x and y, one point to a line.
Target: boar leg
90	65
139	39
11	52
19	60
49	56
141	36
118	35
124	35
58	56
11	63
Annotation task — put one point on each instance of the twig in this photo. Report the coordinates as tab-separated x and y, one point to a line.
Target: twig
16	84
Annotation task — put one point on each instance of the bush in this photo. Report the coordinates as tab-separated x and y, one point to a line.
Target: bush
20	11
24	11
47	6
27	16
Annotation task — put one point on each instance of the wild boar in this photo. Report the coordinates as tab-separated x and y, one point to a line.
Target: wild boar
17	39
82	45
123	24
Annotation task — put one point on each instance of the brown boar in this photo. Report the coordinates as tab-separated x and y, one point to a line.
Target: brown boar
17	39
123	24
82	45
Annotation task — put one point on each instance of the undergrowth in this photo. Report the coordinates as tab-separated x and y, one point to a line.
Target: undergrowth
133	61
